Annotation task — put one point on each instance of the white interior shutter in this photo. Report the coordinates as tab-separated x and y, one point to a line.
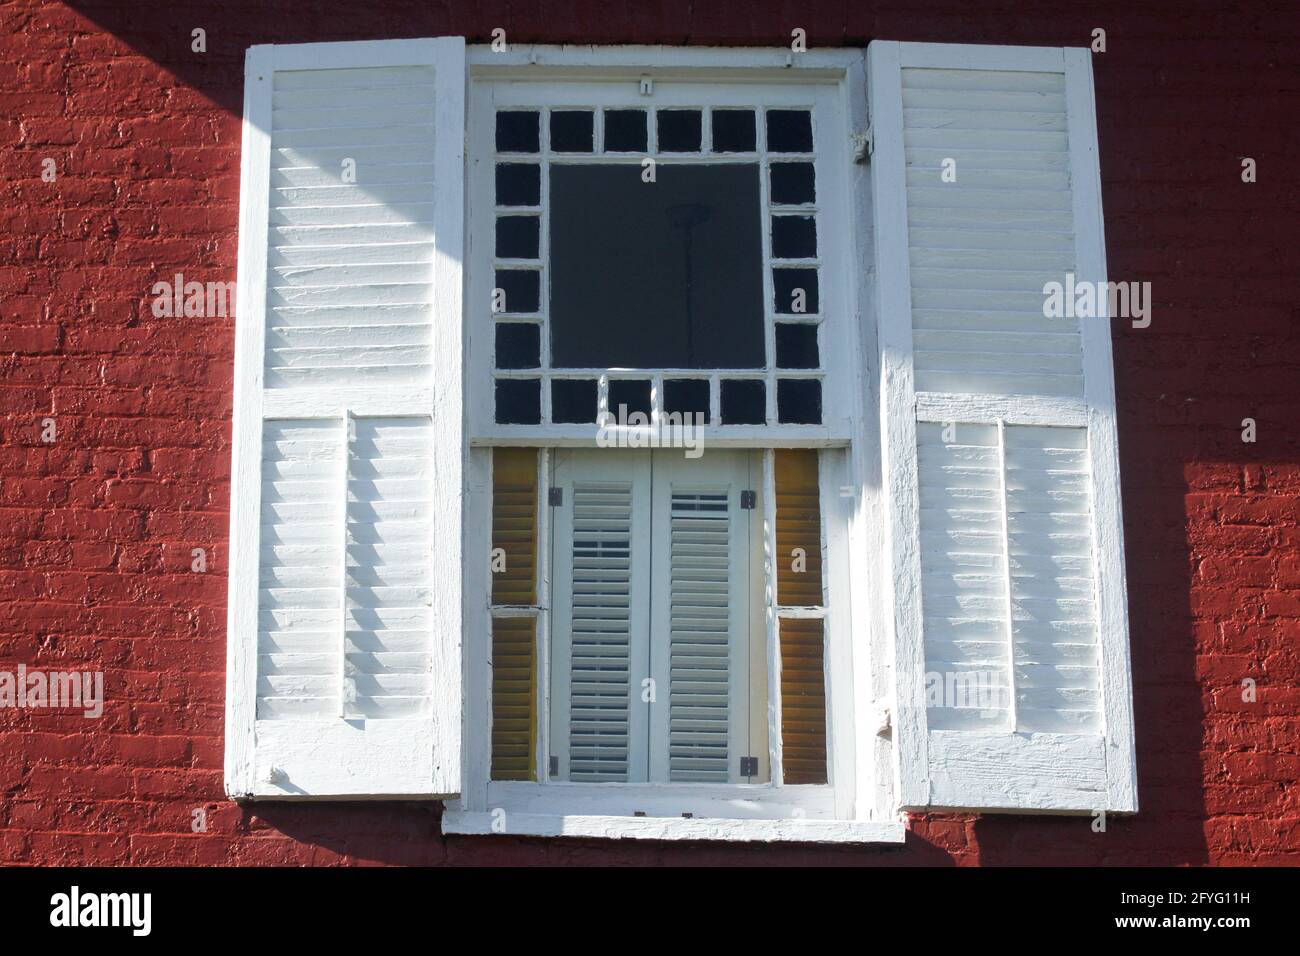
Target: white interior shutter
1013	681
345	598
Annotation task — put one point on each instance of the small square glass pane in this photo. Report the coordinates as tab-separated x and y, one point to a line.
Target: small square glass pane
571	131
627	396
519	184
519	345
686	396
744	402
796	346
518	401
625	131
517	131
793	184
733	131
799	401
520	290
679	131
796	291
517	237
573	401
789	131
794	237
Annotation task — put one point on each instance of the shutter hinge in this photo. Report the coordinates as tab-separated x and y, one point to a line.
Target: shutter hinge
748	500
863	145
555	497
749	766
553	768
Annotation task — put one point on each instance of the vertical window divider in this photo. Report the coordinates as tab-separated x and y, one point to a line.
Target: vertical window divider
776	774
542	629
1006	574
769	284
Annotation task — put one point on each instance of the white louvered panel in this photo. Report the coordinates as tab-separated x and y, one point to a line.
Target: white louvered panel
982	247
600	682
963	584
350	264
1049	521
699	636
388	622
299	585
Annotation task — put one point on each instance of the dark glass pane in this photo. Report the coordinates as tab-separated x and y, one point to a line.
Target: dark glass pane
787	284
743	402
517	132
789	131
667	275
519	401
519	184
517	237
573	401
796	346
635	394
733	131
679	131
519	345
686	396
571	131
793	184
799	401
521	289
794	237
625	131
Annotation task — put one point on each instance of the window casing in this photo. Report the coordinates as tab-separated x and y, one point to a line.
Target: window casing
748	85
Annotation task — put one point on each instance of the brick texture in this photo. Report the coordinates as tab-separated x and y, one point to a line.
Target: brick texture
97	527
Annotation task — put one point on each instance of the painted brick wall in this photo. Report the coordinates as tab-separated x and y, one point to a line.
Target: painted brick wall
96	528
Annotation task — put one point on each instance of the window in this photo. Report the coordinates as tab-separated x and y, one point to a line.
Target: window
893	579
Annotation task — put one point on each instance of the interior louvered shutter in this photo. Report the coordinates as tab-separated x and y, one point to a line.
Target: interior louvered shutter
1013	678
345	598
699	619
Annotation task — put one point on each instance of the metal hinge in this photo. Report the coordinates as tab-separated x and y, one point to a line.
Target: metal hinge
748	500
555	497
749	766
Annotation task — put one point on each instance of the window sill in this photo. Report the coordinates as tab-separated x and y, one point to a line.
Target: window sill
485	823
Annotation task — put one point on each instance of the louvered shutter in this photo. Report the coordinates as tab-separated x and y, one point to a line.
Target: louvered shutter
701	596
1012	679
345	598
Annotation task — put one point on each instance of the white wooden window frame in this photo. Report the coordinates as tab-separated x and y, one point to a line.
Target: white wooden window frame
858	805
1048	761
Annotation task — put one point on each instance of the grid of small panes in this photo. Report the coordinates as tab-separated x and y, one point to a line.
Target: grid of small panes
544	371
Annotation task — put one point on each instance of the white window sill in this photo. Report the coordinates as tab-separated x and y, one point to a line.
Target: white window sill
672	828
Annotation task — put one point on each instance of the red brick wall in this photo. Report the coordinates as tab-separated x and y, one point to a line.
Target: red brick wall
96	529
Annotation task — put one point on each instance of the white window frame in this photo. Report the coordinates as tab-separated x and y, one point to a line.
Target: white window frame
858	806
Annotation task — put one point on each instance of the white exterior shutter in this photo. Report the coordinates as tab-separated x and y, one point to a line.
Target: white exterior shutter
1013	680
345	597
